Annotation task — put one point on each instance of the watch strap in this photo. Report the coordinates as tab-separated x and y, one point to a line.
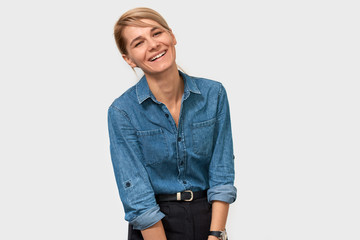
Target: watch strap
215	233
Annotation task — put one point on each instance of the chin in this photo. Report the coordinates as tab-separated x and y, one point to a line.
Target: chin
161	69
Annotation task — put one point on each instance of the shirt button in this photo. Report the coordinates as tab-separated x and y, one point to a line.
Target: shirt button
184	182
166	115
179	139
181	163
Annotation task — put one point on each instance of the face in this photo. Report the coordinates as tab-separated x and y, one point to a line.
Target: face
150	48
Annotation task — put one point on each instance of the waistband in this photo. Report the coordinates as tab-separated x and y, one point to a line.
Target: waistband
186	196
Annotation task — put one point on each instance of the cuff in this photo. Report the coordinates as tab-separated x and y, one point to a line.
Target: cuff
147	219
224	193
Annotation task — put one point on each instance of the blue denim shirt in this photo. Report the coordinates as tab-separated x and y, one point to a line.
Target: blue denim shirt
151	155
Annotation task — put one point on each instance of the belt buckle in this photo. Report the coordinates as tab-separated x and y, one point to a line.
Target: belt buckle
191	194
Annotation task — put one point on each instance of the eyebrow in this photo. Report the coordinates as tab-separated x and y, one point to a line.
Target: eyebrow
139	37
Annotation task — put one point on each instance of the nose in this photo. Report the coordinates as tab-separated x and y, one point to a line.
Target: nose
153	44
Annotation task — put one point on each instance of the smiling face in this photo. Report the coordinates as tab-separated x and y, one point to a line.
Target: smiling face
150	48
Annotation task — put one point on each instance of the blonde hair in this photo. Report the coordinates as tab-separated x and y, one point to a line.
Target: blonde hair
133	18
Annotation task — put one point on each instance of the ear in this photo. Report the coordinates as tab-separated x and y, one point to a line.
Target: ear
173	36
129	60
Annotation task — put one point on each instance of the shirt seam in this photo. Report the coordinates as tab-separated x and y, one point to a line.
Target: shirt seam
123	113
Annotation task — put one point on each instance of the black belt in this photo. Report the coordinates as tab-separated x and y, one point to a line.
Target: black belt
187	196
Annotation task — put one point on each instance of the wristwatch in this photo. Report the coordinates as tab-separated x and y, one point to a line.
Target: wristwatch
222	235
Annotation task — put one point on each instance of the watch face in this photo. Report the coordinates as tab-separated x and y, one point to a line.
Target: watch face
224	236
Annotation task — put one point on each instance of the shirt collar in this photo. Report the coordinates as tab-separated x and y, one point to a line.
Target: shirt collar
143	91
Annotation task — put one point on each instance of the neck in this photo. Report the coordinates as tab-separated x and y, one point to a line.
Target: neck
167	86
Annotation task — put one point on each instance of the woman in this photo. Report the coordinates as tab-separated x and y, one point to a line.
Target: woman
170	139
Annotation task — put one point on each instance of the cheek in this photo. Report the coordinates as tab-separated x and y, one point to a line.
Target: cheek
137	54
166	39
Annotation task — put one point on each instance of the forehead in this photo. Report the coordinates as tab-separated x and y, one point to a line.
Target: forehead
132	32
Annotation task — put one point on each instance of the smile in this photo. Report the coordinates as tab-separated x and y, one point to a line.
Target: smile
158	56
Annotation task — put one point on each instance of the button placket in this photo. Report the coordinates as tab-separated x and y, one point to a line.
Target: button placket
181	148
169	117
180	142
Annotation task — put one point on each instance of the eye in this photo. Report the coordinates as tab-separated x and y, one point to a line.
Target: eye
157	33
137	44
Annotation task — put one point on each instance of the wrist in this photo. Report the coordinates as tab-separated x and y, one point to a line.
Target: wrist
222	235
210	237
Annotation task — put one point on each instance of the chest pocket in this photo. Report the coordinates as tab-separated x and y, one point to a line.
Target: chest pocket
203	137
154	146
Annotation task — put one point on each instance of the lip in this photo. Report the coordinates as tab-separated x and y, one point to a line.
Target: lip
156	55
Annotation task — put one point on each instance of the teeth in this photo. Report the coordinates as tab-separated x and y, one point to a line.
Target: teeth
157	56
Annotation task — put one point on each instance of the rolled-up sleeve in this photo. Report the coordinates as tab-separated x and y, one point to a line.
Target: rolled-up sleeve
221	170
134	186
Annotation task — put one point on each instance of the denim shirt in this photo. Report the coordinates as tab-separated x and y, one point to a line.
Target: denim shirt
151	155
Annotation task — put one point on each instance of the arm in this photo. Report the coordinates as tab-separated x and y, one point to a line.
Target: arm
221	171
134	186
219	215
155	232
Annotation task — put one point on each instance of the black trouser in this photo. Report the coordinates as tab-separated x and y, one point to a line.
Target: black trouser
183	220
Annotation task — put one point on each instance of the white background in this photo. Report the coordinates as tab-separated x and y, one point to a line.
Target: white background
291	70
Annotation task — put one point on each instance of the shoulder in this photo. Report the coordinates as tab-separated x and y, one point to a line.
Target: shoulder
125	101
205	82
207	85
